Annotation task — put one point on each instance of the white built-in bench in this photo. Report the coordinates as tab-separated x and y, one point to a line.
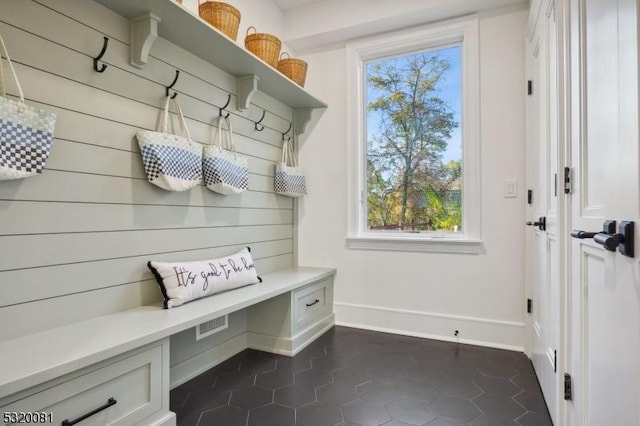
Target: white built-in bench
72	370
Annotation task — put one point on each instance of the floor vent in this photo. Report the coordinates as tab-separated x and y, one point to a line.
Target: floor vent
211	327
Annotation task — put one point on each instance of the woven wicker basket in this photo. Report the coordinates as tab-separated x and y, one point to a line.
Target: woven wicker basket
223	16
295	69
264	46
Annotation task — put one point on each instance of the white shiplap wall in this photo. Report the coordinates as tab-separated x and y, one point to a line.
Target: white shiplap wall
74	241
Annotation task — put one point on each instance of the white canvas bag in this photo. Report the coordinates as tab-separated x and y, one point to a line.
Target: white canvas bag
289	178
26	133
223	169
171	162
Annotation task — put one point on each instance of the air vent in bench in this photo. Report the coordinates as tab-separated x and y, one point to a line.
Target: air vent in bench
213	326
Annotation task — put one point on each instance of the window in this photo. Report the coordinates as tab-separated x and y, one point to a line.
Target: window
414	157
413	144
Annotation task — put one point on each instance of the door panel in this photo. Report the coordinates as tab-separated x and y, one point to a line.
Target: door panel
594	333
605	288
601	117
610	387
548	374
542	176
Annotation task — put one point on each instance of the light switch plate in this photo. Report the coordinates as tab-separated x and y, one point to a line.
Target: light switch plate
510	189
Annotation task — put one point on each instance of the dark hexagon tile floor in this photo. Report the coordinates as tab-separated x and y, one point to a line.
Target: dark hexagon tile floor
352	377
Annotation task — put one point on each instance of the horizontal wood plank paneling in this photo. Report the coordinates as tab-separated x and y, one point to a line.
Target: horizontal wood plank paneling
27	217
111	162
74	241
29	251
54	185
45	282
78	127
26	318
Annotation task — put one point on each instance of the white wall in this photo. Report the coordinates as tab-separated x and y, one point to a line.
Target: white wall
265	16
429	294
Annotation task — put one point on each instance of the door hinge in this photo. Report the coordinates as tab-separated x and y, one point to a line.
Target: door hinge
555	361
567	180
530	87
530	196
568	391
529	306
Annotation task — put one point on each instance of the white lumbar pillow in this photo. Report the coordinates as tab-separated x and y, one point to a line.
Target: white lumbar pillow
185	281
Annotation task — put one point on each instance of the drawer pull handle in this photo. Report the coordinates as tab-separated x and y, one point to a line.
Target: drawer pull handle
313	303
110	402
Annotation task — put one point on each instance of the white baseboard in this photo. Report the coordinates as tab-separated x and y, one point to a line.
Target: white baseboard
474	331
187	370
269	343
168	419
306	337
289	346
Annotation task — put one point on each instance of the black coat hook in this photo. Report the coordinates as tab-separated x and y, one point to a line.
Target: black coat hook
288	130
225	105
257	123
173	83
100	55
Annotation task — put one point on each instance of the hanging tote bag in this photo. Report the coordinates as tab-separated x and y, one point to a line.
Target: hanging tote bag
289	178
171	162
224	170
26	133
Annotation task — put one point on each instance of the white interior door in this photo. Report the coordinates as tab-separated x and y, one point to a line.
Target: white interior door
605	285
543	252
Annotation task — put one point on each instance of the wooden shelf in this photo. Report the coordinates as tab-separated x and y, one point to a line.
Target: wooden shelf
180	26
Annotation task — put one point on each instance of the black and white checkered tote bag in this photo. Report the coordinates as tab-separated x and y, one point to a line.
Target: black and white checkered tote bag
223	169
171	162
289	178
26	133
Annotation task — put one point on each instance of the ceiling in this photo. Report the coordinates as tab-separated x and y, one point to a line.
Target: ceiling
313	25
290	4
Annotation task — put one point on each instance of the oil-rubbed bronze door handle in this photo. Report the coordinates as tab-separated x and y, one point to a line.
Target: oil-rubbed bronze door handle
608	228
541	223
623	240
611	240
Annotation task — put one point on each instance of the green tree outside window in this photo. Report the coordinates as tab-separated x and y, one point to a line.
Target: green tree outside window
414	149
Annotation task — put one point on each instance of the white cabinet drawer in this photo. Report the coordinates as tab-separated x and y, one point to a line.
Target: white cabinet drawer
311	303
287	323
134	382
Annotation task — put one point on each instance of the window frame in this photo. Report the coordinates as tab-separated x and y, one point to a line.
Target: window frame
462	31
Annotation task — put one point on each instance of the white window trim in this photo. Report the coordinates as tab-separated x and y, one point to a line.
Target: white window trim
463	30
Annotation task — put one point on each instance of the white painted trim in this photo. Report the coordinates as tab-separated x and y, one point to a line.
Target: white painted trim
169	419
290	346
476	331
430	336
463	30
406	243
192	367
306	337
550	355
269	343
535	6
